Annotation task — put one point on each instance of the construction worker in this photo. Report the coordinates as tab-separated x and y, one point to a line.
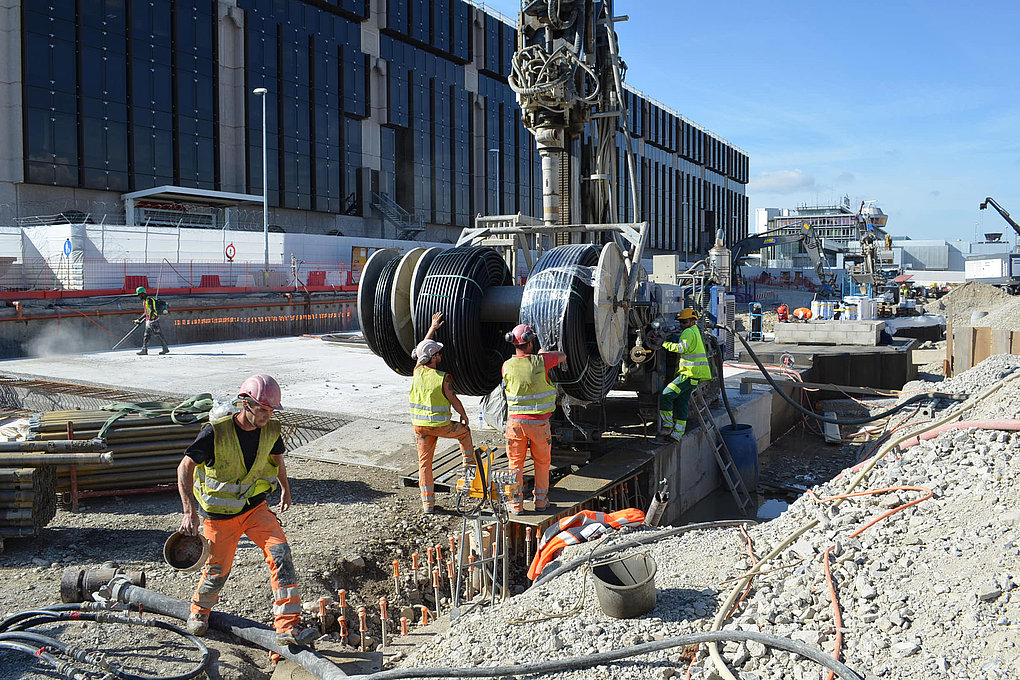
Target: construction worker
226	476
692	368
530	399
150	315
432	401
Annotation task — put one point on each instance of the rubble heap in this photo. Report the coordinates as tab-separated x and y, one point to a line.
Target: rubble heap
929	591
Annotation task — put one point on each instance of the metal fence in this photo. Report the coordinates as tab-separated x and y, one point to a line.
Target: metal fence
65	274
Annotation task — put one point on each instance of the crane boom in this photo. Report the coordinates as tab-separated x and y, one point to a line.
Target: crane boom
1005	215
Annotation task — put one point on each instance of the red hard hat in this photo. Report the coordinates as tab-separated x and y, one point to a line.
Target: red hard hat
263	390
522	334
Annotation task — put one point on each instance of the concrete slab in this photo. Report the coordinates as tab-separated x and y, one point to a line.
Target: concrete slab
369	442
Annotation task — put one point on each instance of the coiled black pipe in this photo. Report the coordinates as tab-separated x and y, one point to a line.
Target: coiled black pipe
387	345
12	629
924	396
558	303
474	351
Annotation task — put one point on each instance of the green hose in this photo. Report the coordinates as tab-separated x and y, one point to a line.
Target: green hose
191	410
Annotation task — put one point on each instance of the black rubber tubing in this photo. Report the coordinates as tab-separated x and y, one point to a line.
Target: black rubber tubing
49	616
924	396
633	540
841	670
62	667
246	629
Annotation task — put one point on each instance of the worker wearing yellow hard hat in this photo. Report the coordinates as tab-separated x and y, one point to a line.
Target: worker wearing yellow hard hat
692	367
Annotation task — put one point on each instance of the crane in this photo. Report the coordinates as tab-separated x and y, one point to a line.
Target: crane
776	237
1005	215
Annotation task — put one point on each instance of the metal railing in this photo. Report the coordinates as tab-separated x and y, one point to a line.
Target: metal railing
408	224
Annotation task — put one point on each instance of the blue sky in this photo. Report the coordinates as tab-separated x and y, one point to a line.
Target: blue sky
912	103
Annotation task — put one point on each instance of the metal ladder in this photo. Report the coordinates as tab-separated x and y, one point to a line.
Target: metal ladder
722	454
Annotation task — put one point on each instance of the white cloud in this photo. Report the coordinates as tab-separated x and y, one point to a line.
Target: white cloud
781	182
845	178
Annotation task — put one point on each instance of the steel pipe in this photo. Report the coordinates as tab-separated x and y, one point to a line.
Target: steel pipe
33	459
64	446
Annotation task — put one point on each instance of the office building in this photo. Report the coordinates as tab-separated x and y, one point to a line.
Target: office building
384	118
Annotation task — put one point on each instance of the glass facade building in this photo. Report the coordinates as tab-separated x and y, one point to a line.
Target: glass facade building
405	99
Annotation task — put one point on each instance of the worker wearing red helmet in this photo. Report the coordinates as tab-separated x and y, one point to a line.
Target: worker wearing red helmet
432	401
226	476
530	399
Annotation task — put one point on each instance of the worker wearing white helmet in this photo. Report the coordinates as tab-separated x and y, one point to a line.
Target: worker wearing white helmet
432	402
692	368
226	476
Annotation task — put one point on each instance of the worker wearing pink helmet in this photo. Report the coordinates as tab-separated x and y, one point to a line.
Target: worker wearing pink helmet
530	399
226	476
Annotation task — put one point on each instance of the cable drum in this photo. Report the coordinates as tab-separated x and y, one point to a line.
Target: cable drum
558	303
456	282
387	344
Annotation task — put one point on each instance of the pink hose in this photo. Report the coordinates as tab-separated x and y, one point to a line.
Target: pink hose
1003	424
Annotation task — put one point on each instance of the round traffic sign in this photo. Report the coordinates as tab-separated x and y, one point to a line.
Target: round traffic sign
67	247
230	251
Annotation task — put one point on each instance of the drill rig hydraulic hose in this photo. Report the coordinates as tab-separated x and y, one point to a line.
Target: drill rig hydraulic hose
924	396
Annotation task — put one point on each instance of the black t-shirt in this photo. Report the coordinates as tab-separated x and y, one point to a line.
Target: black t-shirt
202	452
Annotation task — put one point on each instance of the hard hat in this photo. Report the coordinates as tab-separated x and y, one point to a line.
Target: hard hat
522	334
425	350
263	390
139	290
185	553
687	313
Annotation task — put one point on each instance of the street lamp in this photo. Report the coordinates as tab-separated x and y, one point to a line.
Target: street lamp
498	194
262	92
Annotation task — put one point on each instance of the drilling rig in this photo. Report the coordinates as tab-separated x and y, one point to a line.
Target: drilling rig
585	292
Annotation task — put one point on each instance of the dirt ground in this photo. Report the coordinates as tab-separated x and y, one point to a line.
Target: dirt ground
326	527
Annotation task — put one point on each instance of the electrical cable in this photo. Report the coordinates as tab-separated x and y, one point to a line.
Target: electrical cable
924	396
473	350
386	344
578	662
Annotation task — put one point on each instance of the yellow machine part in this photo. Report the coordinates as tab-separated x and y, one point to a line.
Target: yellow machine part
483	459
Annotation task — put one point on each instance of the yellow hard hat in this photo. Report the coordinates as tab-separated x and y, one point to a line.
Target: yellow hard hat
687	313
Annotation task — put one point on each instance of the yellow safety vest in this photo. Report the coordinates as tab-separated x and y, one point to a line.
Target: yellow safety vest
149	306
693	361
226	487
429	406
528	390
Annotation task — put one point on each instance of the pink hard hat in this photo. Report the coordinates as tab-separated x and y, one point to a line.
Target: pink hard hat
263	390
522	334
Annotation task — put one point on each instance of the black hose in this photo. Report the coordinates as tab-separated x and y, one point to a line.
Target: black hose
257	634
387	345
36	617
558	303
61	667
473	351
558	665
924	396
633	540
717	354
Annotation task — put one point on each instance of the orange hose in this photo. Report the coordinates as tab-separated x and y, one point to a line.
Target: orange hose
837	616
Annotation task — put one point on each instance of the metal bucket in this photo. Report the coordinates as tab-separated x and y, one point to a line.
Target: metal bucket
626	585
186	553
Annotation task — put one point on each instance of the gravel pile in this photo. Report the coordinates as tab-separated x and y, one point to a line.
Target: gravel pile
971	297
929	592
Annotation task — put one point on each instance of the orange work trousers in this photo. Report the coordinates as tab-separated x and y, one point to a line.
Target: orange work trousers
520	435
426	438
264	529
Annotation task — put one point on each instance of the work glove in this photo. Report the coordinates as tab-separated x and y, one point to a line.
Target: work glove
139	321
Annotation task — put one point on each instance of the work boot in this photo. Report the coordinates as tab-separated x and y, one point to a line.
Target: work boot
302	637
428	510
142	353
165	350
676	435
198	624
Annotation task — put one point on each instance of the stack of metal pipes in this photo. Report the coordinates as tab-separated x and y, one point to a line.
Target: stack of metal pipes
145	451
28	499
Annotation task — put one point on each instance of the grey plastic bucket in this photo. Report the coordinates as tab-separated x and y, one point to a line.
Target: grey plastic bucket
626	585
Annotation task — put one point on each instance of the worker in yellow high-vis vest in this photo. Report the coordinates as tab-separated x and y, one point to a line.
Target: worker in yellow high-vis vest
432	402
692	368
226	476
530	400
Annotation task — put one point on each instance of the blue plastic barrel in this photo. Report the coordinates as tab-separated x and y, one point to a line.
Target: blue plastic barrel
743	448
